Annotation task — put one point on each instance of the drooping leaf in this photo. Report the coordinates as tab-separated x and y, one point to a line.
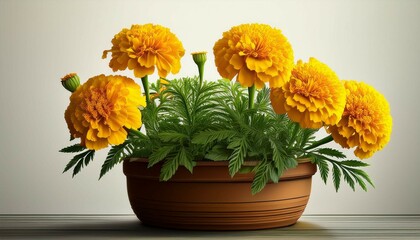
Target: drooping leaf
261	178
115	155
79	160
237	157
336	177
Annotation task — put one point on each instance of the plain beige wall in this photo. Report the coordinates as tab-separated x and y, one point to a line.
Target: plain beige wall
40	41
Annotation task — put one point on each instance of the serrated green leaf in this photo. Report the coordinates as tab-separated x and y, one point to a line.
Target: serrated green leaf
360	181
364	175
323	169
331	152
172	136
115	155
77	158
274	175
348	179
160	154
278	156
168	169
185	160
218	153
261	178
237	157
354	163
73	148
209	136
336	177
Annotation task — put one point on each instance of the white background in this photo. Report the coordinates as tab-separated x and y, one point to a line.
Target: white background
40	41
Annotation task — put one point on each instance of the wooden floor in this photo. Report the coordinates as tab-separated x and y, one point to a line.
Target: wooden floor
128	227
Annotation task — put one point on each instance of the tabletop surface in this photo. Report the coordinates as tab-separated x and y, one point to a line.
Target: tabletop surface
128	227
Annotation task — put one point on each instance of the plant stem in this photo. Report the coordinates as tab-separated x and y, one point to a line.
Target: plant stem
145	81
318	143
251	96
201	73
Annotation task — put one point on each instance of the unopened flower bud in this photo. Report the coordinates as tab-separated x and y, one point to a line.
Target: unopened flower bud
71	82
199	59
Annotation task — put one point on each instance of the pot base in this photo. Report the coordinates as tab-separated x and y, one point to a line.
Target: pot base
210	199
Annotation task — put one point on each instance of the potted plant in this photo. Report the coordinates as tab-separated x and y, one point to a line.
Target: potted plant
219	154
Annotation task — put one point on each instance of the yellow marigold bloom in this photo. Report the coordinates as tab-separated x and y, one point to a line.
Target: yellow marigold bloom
314	95
102	109
144	47
256	53
366	122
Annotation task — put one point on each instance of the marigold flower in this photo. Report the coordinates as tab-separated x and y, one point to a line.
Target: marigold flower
366	122
314	95
102	109
256	53
144	47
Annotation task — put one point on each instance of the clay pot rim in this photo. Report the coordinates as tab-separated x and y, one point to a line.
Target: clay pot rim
209	171
210	163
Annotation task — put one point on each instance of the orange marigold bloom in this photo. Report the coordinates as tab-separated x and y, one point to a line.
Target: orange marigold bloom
256	53
144	47
314	95
366	122
102	109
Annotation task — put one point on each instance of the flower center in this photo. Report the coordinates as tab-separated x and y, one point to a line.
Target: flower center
359	112
310	88
255	48
96	105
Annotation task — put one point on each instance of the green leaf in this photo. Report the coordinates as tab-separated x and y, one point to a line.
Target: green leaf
331	152
360	181
160	154
364	175
354	163
73	148
80	160
172	136
261	177
336	177
185	159
274	175
348	179
209	136
277	156
218	153
246	169
115	155
237	157
323	169
169	168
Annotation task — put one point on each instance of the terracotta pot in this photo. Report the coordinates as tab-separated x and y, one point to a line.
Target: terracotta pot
209	199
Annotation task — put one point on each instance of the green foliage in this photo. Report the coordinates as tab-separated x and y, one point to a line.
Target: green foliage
190	121
73	148
79	161
346	170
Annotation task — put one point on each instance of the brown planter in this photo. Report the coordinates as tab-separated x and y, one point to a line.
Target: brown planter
209	199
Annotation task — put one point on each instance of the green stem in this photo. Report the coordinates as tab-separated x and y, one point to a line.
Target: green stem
251	96
145	81
318	143
201	72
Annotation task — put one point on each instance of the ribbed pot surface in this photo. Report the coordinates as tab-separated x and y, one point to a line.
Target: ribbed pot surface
209	199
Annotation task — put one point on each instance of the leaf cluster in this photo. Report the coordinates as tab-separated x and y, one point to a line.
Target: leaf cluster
192	121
